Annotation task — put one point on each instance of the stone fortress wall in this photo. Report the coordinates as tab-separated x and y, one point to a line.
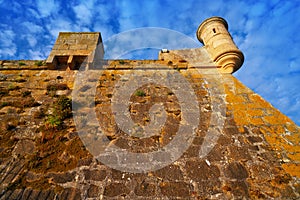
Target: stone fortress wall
256	155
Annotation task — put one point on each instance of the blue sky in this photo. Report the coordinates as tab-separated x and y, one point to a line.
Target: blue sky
266	31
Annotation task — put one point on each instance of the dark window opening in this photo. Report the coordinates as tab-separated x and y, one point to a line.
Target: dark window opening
61	62
214	30
78	60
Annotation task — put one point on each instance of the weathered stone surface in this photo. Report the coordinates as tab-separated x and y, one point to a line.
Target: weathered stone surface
175	189
96	175
62	177
199	170
238	189
170	173
31	176
84	162
34	194
26	193
218	153
239	153
244	155
24	147
46	194
116	189
70	193
16	194
93	191
145	189
236	170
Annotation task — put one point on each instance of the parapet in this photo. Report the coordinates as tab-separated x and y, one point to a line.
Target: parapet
219	50
71	49
213	33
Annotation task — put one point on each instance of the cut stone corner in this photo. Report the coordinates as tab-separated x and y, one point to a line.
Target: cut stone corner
72	49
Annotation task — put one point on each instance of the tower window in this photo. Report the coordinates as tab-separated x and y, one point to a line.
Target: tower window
214	30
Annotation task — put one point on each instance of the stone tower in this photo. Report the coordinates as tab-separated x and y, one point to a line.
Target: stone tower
213	33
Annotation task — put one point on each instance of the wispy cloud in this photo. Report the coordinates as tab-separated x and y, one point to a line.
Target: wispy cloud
83	14
47	8
33	28
59	24
7	45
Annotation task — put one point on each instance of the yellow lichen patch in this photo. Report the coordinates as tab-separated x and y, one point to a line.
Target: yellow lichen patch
194	74
274	129
245	115
240	106
240	88
291	127
230	98
294	156
292	168
259	101
256	121
274	141
240	117
281	116
201	93
227	89
241	129
274	136
272	120
253	106
284	145
229	107
255	112
184	73
294	138
290	148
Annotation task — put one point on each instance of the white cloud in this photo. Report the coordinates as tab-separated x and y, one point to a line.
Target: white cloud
31	40
36	55
14	6
258	9
83	14
32	27
35	14
47	8
7	44
106	30
103	12
7	51
294	65
59	24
